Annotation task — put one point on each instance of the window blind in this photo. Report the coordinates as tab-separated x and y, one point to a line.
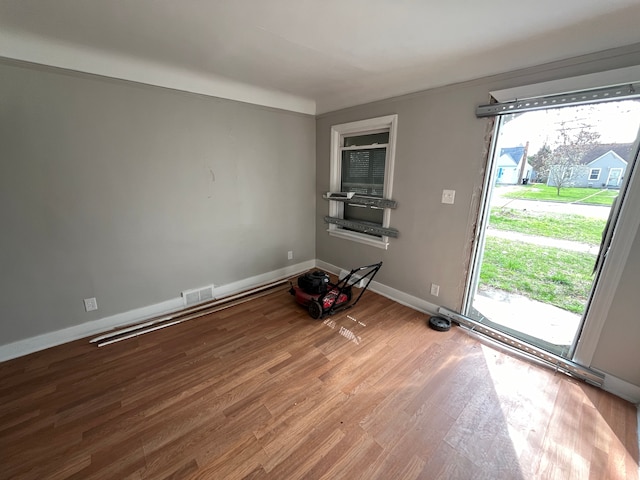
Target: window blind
363	171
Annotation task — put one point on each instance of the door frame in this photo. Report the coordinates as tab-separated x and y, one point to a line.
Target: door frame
626	221
483	214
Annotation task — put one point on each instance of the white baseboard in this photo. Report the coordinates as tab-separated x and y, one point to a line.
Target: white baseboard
391	293
95	327
258	280
621	388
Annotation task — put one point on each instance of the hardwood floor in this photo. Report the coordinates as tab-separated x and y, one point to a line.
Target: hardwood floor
262	391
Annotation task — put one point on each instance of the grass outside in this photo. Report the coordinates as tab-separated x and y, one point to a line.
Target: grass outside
562	226
550	275
567	195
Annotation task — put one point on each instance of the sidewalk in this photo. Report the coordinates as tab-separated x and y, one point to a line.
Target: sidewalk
536	319
544	241
593	211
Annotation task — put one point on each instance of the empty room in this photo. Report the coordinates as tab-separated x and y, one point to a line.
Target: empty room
319	240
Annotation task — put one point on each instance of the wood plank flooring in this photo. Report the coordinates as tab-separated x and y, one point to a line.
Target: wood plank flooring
262	391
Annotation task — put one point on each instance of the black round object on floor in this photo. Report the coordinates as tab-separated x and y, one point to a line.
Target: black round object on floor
440	324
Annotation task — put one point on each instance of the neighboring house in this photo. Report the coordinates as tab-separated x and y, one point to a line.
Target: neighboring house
623	150
606	171
510	164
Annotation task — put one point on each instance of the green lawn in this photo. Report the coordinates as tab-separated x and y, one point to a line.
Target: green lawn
550	275
567	195
563	226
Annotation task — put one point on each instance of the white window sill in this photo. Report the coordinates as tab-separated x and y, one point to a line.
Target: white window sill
360	238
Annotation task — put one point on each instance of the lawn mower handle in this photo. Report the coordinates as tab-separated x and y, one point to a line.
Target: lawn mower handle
347	283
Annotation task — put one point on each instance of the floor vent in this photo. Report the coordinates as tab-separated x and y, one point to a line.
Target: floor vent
355	278
193	297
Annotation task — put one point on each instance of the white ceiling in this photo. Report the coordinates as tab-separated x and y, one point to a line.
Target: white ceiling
309	56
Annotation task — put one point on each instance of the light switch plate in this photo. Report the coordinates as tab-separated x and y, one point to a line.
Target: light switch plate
448	196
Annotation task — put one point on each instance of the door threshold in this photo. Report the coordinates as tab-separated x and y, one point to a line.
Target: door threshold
554	361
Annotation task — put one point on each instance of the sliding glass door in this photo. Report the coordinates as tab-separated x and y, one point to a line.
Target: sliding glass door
555	175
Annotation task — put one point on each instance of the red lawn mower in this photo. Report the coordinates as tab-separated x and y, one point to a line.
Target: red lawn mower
321	297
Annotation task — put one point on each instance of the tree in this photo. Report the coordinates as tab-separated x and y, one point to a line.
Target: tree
540	162
564	162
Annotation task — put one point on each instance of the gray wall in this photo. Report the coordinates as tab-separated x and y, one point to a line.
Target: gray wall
440	145
132	194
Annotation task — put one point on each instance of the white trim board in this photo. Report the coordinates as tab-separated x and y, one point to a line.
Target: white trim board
46	340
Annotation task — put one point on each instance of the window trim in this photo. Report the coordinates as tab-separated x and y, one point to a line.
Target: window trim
336	209
591	173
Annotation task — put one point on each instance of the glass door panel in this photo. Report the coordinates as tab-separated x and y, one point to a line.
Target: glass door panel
555	175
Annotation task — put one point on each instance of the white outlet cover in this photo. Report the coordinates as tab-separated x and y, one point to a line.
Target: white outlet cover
90	304
290	254
435	289
448	196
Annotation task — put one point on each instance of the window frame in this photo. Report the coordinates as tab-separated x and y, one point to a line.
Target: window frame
599	170
336	209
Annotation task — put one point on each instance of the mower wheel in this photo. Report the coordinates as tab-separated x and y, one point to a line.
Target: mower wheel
315	310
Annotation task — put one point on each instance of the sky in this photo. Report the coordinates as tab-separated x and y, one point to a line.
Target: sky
617	122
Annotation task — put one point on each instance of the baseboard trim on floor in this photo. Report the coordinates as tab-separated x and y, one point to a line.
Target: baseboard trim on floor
20	348
386	291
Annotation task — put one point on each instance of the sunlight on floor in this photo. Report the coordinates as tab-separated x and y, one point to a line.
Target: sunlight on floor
528	412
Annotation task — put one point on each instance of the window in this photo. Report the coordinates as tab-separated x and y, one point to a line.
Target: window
362	158
594	174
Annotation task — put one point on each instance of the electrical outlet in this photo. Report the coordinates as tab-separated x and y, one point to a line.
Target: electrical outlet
448	196
290	255
435	289
90	304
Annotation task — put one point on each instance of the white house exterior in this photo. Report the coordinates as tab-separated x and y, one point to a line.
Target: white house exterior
606	171
509	164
